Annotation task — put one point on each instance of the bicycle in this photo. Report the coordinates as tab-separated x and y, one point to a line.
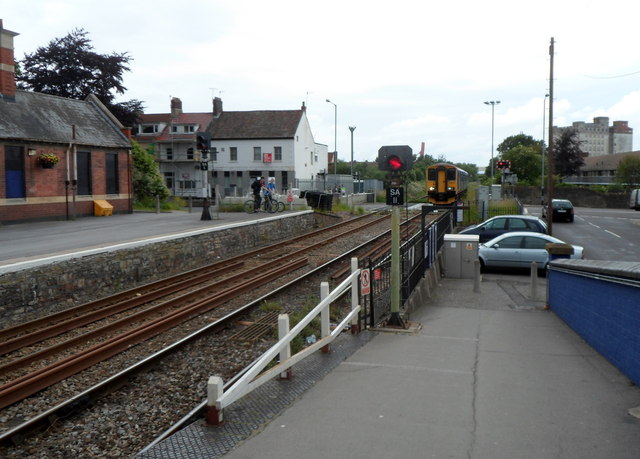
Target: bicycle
267	205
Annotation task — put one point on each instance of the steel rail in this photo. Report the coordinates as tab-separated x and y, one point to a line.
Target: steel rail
29	384
124	305
87	397
31	327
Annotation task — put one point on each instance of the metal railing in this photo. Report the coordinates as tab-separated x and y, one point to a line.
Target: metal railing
418	254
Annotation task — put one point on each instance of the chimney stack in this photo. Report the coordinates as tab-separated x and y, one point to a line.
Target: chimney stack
217	107
7	64
176	107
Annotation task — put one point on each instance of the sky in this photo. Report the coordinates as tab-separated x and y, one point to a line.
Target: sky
402	72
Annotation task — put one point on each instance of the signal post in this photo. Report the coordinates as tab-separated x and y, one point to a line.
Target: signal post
203	143
394	160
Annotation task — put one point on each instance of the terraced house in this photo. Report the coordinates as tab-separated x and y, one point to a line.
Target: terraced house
276	144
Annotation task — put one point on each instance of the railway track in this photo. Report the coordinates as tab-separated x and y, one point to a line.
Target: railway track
288	258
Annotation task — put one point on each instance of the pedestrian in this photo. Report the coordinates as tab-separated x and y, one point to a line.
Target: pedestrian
256	187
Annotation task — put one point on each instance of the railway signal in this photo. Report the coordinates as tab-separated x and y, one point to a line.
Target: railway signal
396	158
203	142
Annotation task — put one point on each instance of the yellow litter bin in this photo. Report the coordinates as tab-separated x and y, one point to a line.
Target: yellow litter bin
102	208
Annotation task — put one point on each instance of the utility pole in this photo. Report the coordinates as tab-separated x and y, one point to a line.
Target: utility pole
550	149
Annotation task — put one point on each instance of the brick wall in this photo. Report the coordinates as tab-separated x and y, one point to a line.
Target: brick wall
604	312
47	193
39	291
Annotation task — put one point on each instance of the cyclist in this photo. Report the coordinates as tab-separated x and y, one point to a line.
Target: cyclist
268	190
256	187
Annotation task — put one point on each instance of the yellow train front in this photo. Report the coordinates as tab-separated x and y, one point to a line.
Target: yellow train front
446	183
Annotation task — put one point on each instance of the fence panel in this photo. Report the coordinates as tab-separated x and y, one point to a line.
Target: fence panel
417	255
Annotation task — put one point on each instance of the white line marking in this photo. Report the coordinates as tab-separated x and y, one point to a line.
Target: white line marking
594	225
607	231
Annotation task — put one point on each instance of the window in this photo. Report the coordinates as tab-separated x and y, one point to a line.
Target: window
498	223
84	173
187	184
111	173
451	173
189	153
14	172
514	242
534	242
517	224
214	154
257	153
174	128
233	153
169	152
168	179
277	153
149	128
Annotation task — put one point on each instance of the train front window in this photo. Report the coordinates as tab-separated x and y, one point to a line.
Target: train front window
431	174
451	174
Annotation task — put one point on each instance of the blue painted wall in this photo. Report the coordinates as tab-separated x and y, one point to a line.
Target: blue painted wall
603	312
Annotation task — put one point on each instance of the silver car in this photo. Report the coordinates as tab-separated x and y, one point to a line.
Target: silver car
519	250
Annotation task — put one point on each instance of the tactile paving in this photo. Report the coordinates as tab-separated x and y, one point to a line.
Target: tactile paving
250	414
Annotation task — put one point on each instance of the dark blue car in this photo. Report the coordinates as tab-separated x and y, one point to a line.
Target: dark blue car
501	224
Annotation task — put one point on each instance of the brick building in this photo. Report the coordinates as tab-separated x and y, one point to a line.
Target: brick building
91	147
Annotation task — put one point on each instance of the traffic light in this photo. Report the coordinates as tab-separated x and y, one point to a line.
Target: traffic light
395	158
503	164
203	141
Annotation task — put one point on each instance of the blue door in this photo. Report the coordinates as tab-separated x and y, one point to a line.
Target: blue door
14	172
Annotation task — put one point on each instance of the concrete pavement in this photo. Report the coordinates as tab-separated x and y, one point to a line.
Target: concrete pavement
489	375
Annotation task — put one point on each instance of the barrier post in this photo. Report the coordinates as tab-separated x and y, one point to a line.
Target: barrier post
355	322
285	353
324	315
215	387
534	280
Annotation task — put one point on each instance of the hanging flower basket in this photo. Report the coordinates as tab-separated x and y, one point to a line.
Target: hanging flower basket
48	160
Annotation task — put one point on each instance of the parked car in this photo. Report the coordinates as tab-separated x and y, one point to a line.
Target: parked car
519	250
634	201
501	224
562	210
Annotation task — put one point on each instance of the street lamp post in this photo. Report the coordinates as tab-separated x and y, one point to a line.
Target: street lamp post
544	112
493	103
335	143
352	128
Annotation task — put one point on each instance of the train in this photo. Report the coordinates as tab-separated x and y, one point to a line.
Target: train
446	183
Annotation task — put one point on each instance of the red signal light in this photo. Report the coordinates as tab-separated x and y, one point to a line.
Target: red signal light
395	163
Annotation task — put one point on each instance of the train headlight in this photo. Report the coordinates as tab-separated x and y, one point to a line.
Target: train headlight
431	188
449	188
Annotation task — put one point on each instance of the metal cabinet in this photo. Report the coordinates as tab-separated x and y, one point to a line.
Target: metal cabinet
460	253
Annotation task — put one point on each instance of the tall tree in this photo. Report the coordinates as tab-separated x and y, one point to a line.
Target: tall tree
525	163
69	67
147	180
628	172
513	141
567	155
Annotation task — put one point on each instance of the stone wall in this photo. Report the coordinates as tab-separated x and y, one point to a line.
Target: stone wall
45	289
579	196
